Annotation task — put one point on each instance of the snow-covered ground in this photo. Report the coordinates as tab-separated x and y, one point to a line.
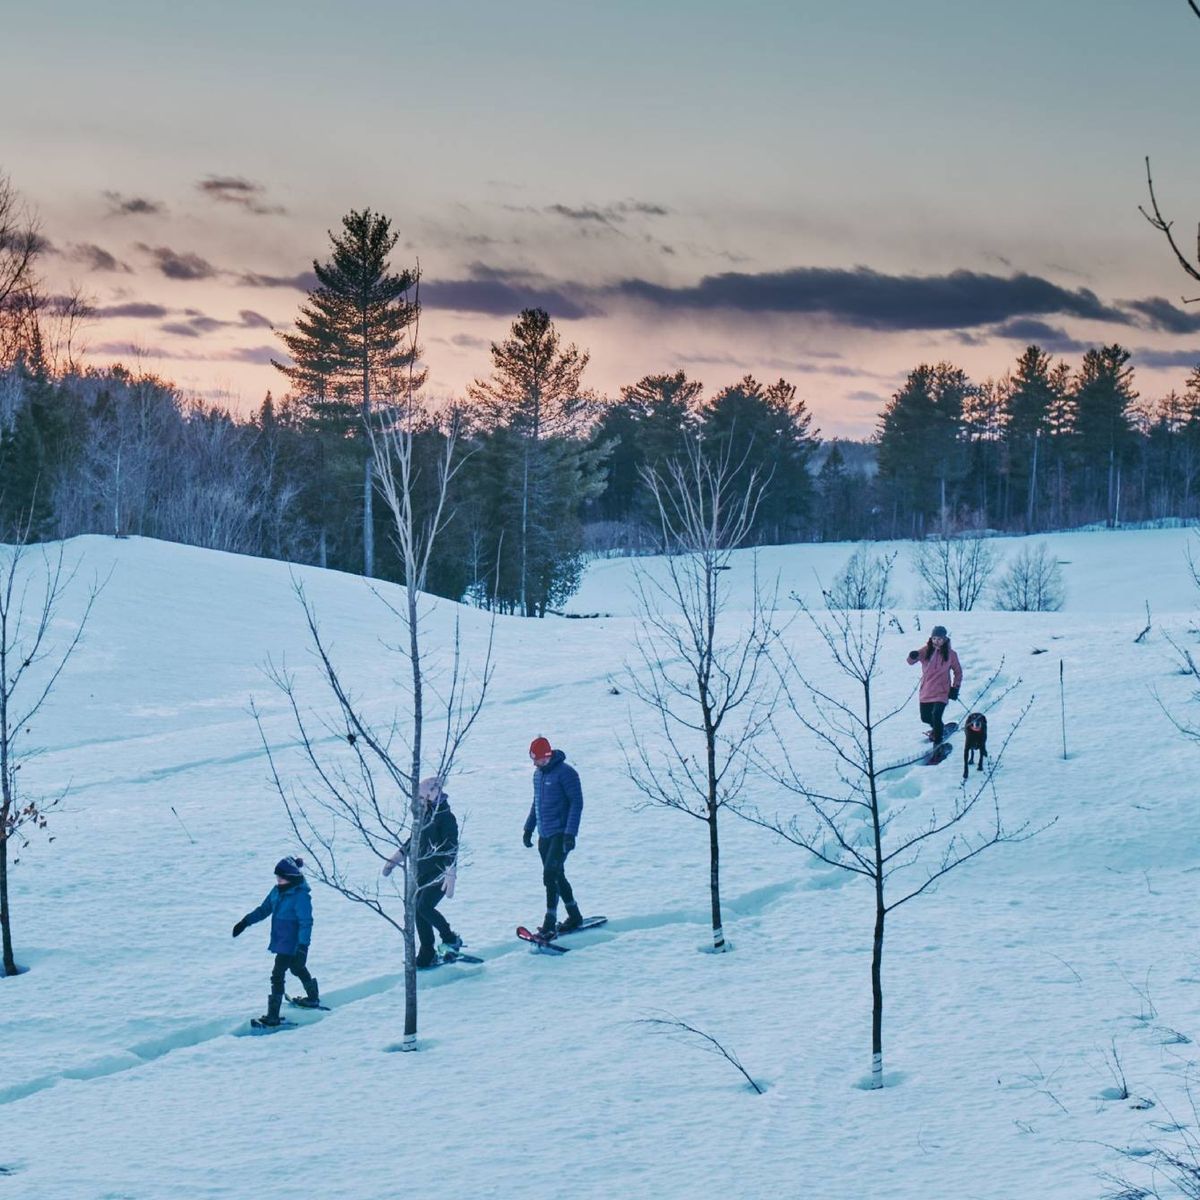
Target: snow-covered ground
122	1075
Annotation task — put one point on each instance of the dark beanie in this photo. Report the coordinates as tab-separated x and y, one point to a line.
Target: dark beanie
289	868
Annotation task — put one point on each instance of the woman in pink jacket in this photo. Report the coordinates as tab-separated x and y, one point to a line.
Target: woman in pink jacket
941	677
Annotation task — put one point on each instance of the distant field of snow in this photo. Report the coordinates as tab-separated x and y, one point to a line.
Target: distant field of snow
1105	571
123	1075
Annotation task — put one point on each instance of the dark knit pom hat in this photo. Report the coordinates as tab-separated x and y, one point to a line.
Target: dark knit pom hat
289	868
938	631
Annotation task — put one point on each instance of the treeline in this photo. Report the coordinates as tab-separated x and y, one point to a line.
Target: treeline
1045	447
546	470
543	473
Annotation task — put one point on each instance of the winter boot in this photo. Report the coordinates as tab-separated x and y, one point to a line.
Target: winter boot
271	1016
452	942
426	958
549	927
312	996
573	921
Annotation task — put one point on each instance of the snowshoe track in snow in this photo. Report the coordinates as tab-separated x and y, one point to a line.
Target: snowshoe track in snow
141	1053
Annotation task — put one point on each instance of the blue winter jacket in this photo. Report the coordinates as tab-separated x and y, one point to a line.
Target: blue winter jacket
290	910
557	798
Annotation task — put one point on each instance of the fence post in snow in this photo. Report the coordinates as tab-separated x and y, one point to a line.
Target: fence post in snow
1062	698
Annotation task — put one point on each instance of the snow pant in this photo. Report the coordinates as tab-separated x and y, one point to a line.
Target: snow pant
931	714
429	896
288	962
554	855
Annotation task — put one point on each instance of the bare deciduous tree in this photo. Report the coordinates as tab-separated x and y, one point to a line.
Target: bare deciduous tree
372	793
20	243
1159	222
955	568
32	589
700	666
1032	582
850	825
864	581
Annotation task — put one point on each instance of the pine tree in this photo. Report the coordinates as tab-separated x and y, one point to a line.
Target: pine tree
535	397
920	451
350	344
647	426
1104	433
834	486
765	430
1027	410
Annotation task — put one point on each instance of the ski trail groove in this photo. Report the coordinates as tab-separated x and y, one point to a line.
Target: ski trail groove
148	1050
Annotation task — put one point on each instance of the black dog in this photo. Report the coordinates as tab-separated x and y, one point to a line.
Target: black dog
976	727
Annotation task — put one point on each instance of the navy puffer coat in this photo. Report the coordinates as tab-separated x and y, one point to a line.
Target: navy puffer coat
557	798
290	910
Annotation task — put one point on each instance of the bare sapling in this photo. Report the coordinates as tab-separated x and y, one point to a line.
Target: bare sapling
35	647
359	808
845	819
701	664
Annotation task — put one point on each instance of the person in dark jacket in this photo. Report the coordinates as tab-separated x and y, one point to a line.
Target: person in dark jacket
437	860
555	812
289	905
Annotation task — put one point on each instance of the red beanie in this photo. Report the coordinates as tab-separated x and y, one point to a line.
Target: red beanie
540	748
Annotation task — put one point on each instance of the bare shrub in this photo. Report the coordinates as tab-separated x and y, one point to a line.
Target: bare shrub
1032	582
863	582
955	568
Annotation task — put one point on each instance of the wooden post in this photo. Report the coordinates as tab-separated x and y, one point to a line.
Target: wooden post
1062	697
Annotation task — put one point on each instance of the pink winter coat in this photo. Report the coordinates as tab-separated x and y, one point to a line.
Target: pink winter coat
938	674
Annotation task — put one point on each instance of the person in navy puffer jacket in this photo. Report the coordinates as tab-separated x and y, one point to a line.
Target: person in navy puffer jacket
289	905
555	812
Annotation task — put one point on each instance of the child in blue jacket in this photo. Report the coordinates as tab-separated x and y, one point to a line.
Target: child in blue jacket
289	905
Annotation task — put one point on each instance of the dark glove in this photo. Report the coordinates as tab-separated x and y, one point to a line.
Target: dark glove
568	842
527	839
239	928
913	655
954	693
300	957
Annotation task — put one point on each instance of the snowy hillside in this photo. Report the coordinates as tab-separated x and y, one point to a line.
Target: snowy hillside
122	1075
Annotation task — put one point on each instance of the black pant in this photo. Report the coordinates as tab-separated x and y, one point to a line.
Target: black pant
931	714
429	896
554	856
285	963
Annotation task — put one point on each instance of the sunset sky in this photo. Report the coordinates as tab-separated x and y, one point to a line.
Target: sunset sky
829	192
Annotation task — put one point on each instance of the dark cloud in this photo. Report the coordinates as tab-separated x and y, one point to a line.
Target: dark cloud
1048	337
648	210
231	189
22	241
133	206
1160	313
468	341
609	214
867	398
761	366
869	299
1146	357
136	309
193	326
579	214
261	355
197	324
305	281
96	258
247	354
499	292
176	265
